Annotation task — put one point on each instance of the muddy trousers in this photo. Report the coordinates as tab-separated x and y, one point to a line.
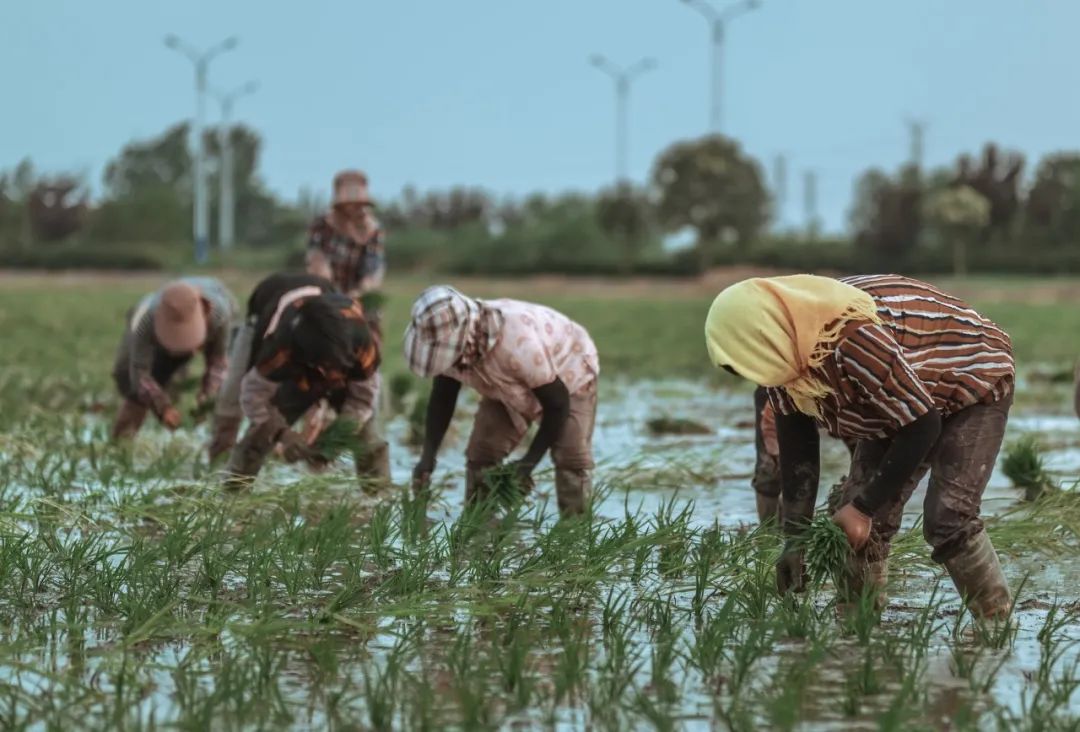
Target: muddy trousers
960	465
495	435
292	403
163	370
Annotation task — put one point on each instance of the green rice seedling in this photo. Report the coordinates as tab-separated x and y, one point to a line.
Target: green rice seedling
418	421
341	437
662	680
503	486
513	660
827	549
381	682
1023	465
401	384
657	715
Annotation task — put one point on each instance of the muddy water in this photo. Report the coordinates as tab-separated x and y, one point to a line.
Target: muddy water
714	471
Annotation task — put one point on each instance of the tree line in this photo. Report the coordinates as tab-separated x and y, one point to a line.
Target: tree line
981	213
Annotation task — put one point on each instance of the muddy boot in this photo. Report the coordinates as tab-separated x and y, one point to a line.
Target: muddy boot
572	490
861	578
768	509
976	572
250	453
128	420
223	435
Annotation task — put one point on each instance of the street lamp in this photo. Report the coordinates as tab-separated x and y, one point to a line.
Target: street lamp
201	60
718	20
622	78
227	202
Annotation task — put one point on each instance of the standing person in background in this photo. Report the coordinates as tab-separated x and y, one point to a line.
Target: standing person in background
161	335
922	381
345	246
529	363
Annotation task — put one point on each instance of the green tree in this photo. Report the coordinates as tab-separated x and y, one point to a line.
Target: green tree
1052	209
961	214
886	217
161	162
710	185
625	214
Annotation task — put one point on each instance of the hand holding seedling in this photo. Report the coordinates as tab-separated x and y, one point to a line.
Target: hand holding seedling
171	418
855	523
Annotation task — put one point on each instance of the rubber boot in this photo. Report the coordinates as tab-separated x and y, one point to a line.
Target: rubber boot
768	508
128	420
223	435
250	453
861	577
976	572
572	490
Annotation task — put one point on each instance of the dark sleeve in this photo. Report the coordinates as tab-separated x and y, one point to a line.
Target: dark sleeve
440	410
554	399
800	465
908	449
317	234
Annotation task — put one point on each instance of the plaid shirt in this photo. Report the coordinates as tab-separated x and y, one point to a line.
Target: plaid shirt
356	267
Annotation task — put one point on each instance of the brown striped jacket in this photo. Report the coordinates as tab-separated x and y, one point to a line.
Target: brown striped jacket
930	351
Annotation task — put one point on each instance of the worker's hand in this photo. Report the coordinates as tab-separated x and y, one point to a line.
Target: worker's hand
791	569
171	418
855	524
294	449
421	478
523	474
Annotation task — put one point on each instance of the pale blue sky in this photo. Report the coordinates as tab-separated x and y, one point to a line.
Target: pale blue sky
498	93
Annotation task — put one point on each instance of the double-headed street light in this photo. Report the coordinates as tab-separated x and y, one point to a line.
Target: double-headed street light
718	20
622	77
227	202
201	60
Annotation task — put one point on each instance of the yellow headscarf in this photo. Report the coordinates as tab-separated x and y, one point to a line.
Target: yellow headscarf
774	330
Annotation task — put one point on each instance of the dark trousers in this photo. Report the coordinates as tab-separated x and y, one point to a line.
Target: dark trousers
960	465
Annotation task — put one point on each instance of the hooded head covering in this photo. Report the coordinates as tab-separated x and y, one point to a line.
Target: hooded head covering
774	330
179	318
448	329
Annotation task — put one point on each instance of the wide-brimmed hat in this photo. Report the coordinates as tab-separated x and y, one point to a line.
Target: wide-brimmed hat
351	186
179	318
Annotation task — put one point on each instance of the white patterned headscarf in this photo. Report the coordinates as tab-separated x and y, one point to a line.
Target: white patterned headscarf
448	329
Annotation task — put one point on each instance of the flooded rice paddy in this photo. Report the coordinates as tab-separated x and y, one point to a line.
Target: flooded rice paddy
134	594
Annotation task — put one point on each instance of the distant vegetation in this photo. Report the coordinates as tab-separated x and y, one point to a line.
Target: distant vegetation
982	215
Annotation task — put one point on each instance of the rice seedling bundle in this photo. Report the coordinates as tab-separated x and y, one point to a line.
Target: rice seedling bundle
826	548
340	437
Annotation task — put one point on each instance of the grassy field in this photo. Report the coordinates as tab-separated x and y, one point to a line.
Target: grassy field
135	594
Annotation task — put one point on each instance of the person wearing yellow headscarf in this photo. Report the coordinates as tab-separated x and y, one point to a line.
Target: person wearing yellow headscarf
916	377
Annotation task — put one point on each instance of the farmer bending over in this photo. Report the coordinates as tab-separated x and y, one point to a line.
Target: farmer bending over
302	342
161	335
921	380
528	363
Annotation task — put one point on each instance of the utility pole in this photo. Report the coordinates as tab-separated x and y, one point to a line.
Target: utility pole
201	61
227	177
622	77
810	203
718	20
780	187
917	131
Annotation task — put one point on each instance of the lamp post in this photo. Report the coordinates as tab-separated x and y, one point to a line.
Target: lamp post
622	77
201	61
718	20
227	201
